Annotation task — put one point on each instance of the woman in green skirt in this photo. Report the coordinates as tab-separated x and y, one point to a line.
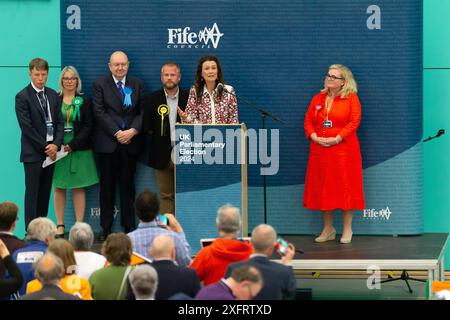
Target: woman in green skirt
77	170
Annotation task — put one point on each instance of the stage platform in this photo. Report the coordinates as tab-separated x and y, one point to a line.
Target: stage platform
422	252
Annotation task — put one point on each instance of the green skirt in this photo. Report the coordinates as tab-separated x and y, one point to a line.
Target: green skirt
76	170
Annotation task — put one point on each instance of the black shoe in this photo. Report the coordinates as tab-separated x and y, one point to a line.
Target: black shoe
60	235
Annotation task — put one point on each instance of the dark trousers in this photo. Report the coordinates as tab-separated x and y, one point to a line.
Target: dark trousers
38	186
119	166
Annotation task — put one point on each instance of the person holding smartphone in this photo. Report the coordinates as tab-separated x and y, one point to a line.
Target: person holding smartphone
279	279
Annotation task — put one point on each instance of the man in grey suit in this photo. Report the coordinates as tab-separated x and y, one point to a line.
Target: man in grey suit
42	125
279	278
118	113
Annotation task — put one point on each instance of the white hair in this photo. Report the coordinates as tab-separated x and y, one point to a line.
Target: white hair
40	229
144	282
81	236
228	219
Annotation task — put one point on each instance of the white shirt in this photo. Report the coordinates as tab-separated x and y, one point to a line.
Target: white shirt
212	104
46	99
123	81
172	102
88	262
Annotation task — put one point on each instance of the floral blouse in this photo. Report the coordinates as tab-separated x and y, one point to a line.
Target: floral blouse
225	107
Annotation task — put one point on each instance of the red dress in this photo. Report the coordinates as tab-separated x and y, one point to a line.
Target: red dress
334	174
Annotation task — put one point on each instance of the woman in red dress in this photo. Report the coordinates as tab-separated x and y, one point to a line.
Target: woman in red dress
334	173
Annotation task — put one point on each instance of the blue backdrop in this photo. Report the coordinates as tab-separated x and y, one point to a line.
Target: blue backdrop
275	54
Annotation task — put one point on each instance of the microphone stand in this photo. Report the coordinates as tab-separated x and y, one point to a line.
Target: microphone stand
264	115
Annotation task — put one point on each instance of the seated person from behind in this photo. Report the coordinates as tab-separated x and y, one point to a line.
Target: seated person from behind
212	261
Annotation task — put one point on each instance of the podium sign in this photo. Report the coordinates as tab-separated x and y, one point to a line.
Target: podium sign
210	171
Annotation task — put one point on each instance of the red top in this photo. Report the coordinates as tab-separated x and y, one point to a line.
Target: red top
334	174
212	261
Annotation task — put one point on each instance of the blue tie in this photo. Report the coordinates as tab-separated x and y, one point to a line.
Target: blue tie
119	86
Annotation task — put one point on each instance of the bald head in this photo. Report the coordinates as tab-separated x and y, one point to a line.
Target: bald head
49	269
263	238
163	246
118	64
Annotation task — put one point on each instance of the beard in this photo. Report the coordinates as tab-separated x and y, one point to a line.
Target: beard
169	85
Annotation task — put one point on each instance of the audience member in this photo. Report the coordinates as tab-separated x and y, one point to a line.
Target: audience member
71	282
109	283
49	270
144	282
244	284
82	239
40	233
279	279
11	285
212	261
8	221
147	207
171	277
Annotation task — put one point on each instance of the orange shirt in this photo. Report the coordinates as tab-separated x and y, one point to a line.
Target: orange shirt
71	284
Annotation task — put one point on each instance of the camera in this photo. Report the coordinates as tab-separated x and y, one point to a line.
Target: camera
161	220
282	246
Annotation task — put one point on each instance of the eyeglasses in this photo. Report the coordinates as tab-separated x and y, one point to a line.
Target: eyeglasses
69	79
332	77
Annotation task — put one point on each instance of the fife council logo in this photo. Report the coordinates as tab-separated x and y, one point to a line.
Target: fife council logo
184	38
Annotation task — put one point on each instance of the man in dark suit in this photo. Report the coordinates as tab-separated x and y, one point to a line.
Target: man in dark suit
42	125
118	114
164	105
8	220
49	270
279	279
172	279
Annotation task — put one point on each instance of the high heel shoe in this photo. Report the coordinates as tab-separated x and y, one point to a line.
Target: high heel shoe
60	235
346	240
330	236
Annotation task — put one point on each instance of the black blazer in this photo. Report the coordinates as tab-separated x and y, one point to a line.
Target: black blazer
50	292
82	129
160	147
172	279
279	280
109	111
31	119
15	280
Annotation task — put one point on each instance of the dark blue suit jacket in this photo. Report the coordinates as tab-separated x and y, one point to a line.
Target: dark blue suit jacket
31	119
109	112
279	280
172	279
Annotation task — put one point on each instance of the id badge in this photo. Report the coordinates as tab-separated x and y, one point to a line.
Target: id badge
68	129
49	125
328	124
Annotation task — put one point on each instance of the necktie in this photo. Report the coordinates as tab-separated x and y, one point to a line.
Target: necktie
43	102
119	86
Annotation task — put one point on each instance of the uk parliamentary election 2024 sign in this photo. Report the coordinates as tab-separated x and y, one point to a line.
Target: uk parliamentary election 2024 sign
275	54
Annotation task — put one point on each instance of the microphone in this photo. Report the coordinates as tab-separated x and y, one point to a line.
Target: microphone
220	88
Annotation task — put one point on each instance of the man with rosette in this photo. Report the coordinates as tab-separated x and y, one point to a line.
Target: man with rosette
118	114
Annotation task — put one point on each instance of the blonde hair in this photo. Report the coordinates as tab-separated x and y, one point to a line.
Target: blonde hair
349	86
75	73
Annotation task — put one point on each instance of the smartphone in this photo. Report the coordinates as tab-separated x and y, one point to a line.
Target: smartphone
162	220
283	246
